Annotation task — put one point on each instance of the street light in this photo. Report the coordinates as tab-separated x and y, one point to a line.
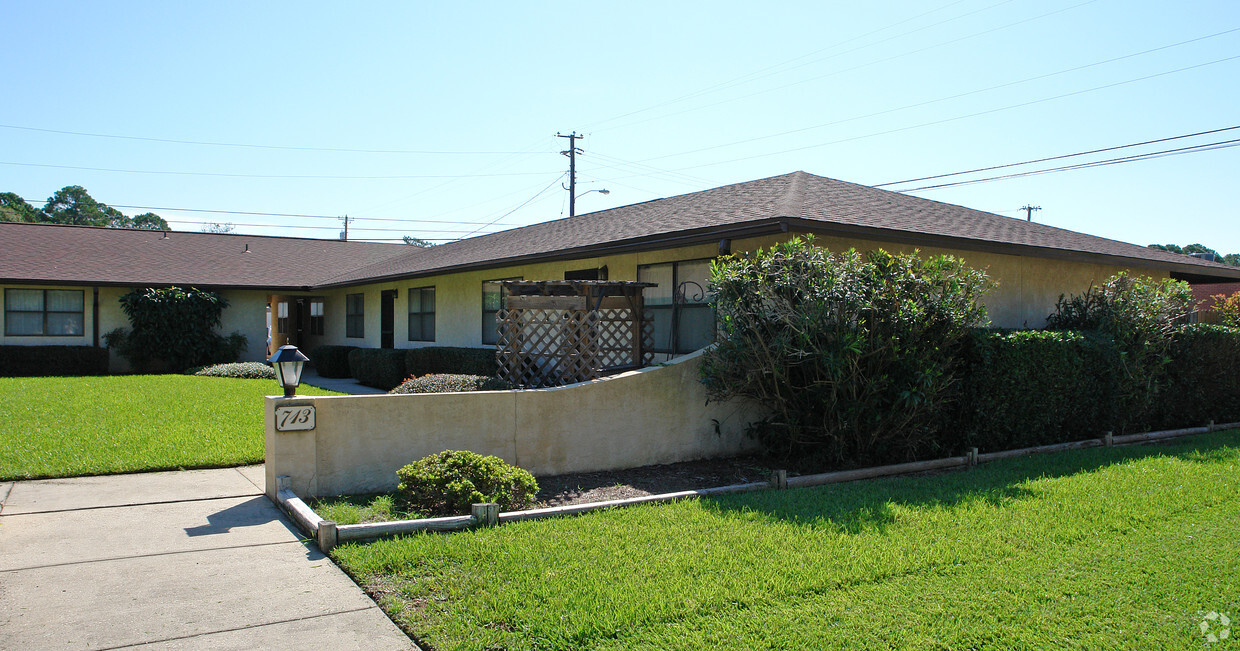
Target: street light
288	362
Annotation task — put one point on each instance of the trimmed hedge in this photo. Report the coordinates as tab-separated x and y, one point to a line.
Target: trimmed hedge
1025	388
30	361
382	368
447	359
449	482
331	361
1202	381
451	383
240	370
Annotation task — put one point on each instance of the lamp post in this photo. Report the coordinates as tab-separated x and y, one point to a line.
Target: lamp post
288	362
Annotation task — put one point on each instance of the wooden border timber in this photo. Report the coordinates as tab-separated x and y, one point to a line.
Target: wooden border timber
484	514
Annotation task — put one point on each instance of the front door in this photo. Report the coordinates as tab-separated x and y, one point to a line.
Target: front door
387	319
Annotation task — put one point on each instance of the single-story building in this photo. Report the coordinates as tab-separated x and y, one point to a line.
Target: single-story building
61	283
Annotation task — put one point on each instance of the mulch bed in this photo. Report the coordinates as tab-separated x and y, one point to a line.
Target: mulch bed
583	487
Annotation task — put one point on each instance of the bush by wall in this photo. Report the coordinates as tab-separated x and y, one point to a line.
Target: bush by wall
240	370
27	361
1228	309
449	482
854	354
1202	377
173	328
382	368
447	359
1143	316
1025	388
448	383
331	361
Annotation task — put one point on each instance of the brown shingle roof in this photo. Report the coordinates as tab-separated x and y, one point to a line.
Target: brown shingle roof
797	201
78	254
800	201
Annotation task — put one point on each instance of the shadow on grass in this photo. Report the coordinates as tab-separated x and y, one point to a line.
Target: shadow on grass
860	506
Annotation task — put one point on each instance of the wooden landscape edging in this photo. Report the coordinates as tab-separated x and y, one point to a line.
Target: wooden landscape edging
328	534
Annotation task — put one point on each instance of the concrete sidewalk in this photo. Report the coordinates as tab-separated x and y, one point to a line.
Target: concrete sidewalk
343	385
172	560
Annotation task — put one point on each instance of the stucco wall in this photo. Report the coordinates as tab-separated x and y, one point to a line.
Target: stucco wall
1027	287
655	415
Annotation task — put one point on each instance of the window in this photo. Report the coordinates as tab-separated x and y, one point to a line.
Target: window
316	316
492	303
282	318
355	315
422	314
44	312
683	319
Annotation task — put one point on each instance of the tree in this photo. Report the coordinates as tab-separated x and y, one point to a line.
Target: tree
418	242
15	209
1232	259
73	205
147	221
218	229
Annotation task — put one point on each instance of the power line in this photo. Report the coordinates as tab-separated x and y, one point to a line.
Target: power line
256	146
283	214
942	99
864	65
278	176
1224	144
1051	158
523	204
320	228
963	117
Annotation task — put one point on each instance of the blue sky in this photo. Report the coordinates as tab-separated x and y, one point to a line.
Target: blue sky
438	120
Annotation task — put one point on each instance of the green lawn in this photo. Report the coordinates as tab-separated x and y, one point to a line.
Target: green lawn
65	427
1101	548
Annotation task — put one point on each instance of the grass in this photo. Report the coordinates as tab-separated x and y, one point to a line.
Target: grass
1101	548
361	509
72	426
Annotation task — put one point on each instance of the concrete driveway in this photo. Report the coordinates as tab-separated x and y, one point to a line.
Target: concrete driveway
172	560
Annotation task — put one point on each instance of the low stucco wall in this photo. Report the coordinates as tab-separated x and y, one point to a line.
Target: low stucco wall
654	415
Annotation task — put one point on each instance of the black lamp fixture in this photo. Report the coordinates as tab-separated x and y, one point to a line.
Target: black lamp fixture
288	362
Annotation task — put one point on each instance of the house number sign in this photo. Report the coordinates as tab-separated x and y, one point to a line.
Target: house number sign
291	419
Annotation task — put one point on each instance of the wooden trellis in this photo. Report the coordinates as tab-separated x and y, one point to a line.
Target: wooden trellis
556	332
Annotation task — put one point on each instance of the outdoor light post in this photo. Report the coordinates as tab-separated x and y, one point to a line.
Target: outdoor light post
288	362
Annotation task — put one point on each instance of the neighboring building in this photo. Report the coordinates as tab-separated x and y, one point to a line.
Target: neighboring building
1203	298
377	295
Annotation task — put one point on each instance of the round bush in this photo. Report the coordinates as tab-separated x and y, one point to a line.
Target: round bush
449	482
243	370
450	383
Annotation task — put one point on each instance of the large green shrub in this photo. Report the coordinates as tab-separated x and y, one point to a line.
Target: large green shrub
1203	378
1143	316
854	355
173	328
448	359
382	368
448	383
331	361
1025	388
25	361
449	482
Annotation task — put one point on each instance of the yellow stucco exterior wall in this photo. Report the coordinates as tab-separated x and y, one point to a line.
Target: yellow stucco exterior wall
1026	293
246	314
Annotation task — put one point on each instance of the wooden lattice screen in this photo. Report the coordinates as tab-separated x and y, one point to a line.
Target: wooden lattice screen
553	333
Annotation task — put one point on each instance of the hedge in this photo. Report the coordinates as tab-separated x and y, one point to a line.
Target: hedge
331	361
451	383
1202	380
1025	388
382	368
446	359
24	361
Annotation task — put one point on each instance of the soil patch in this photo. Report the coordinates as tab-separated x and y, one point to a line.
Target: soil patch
583	487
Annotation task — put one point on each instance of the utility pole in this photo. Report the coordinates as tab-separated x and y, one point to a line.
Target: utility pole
1029	211
345	235
572	169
